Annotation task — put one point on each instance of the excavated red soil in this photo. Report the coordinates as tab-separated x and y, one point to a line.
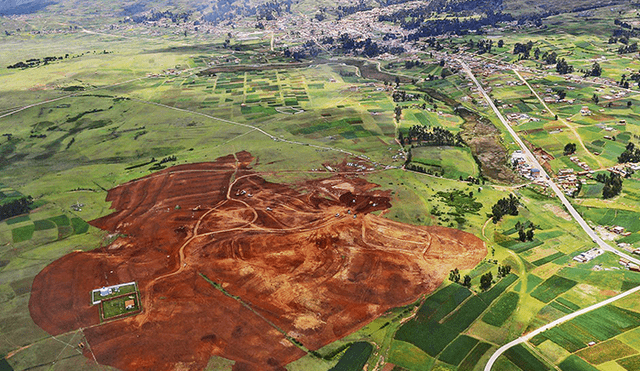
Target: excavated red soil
308	260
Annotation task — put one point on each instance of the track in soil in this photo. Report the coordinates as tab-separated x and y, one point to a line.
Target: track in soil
312	262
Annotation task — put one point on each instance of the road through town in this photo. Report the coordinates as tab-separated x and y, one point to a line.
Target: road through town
594	237
532	160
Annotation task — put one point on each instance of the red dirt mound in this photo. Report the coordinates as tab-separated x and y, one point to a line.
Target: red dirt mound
228	263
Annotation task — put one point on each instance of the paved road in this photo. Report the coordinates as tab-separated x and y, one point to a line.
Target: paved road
544	328
603	245
532	159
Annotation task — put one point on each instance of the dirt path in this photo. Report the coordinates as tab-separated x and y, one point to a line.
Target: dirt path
565	123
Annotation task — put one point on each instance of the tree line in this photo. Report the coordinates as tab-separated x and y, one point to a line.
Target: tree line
430	136
16	207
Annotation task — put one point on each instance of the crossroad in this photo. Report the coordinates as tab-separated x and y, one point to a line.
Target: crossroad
583	224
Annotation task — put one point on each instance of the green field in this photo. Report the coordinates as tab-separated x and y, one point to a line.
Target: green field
501	309
524	359
354	358
452	162
606	351
432	335
630	363
455	352
552	287
597	326
472	359
116	308
575	363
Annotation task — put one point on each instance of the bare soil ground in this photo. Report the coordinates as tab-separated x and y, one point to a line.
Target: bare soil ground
311	262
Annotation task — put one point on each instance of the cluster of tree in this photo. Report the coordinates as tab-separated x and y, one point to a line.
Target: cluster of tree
628	49
504	270
155	16
16	207
429	28
344	10
35	62
171	158
397	112
486	280
228	10
569	149
595	70
431	136
523	49
483	46
550	57
622	24
454	276
504	206
403	96
612	186
410	64
623	82
633	77
434	43
562	67
523	234
561	93
348	45
630	154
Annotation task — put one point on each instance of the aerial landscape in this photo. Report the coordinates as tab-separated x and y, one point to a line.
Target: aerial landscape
298	185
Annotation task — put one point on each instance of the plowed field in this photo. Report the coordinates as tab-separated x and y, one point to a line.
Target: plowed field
306	260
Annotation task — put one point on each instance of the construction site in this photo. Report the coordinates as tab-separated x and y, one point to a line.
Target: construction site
229	264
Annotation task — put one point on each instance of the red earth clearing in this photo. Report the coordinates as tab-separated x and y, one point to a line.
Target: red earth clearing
228	263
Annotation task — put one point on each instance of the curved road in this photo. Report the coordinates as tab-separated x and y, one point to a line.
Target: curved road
546	327
594	237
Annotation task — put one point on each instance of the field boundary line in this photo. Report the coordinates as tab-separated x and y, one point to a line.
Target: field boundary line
557	322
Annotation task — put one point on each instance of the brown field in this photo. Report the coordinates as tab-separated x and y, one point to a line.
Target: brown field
296	261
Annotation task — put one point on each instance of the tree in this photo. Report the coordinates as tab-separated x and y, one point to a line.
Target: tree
595	98
500	43
454	275
398	112
522	236
530	234
596	70
467	281
569	148
612	186
562	67
503	270
629	104
485	281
